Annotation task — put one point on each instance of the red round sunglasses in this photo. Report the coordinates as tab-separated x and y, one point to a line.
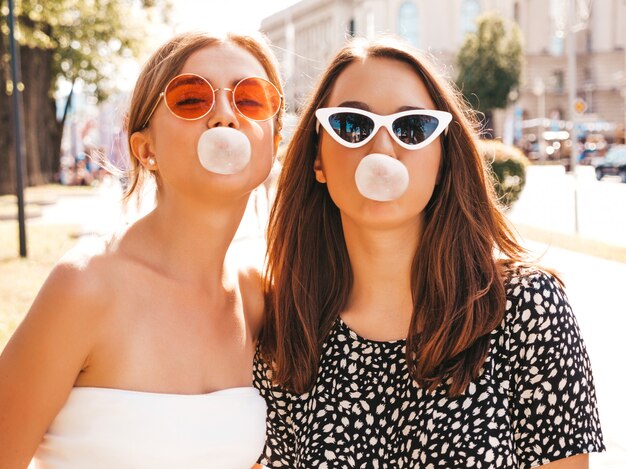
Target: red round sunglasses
190	97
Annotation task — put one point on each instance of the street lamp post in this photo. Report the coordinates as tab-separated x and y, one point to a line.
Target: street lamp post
539	90
624	76
571	94
571	78
18	88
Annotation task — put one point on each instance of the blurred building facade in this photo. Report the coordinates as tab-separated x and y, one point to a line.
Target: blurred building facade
308	33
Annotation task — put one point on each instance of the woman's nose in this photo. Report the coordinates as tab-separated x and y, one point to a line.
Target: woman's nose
223	113
383	143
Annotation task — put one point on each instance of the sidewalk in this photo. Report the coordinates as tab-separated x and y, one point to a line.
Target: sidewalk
101	211
556	202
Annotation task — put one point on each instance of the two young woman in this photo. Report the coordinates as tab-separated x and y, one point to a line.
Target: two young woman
401	327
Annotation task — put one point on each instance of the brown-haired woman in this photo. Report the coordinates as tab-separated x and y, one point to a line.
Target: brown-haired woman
402	327
140	355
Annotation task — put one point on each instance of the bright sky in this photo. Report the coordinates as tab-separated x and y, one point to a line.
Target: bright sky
224	15
205	15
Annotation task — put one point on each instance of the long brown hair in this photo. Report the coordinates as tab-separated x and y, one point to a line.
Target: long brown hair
166	62
457	280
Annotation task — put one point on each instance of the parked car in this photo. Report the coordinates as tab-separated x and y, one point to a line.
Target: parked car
614	163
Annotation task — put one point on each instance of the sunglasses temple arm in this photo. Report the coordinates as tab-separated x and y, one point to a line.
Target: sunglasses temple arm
145	123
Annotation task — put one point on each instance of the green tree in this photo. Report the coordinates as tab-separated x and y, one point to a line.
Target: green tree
59	40
507	165
490	64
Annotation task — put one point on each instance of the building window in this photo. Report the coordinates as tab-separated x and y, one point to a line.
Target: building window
589	40
587	76
557	44
558	81
351	28
470	9
558	10
516	12
408	22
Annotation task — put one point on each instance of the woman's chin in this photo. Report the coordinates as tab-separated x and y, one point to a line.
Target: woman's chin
383	215
212	186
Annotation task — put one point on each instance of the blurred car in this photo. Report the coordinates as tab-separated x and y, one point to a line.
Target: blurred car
614	163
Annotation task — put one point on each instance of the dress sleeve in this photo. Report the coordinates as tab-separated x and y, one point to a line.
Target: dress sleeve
554	409
279	449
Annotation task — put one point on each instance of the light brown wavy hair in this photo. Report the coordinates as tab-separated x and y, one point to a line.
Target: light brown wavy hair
458	271
167	62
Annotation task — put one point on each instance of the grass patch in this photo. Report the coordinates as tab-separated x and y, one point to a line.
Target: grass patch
574	242
21	279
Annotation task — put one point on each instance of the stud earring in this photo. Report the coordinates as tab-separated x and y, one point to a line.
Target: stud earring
151	161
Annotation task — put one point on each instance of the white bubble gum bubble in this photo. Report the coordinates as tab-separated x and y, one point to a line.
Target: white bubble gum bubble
224	150
382	178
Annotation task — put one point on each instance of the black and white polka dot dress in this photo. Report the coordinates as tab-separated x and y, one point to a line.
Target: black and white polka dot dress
533	403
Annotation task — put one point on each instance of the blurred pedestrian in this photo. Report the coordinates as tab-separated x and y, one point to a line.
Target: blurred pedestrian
404	325
140	354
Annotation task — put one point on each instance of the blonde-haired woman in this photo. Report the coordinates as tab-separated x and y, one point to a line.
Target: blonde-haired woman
140	355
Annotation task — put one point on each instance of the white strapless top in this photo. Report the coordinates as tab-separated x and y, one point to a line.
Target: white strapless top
118	429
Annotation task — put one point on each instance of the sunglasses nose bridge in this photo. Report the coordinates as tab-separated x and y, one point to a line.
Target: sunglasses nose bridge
215	95
225	113
232	96
383	139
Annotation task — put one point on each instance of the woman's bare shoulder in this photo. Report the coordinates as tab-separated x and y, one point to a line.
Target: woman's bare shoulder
85	275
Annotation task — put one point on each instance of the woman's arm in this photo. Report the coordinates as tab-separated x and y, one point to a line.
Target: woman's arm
40	363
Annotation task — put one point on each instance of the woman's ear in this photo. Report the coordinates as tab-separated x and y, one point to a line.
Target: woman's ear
141	148
319	170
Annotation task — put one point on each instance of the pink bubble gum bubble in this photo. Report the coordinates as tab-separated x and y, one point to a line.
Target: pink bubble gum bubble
224	150
381	177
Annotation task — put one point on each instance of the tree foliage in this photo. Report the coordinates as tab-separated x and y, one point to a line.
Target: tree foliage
64	40
490	63
86	37
508	169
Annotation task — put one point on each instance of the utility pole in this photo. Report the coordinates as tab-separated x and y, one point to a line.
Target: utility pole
571	77
18	88
539	90
624	77
571	95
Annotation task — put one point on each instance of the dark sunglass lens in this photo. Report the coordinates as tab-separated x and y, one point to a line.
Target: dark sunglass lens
351	127
414	129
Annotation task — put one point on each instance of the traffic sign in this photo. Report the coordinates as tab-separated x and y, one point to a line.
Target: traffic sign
580	106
